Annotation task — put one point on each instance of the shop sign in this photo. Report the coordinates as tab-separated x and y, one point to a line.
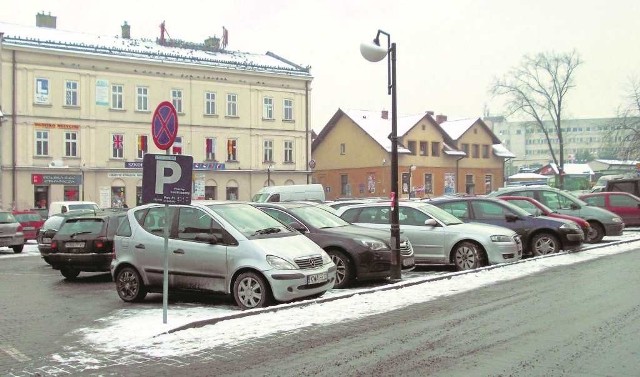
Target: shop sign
56	179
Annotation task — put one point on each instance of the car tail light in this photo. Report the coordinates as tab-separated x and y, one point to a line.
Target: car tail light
99	243
54	245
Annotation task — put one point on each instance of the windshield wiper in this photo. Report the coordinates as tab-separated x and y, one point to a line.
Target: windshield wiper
78	233
266	231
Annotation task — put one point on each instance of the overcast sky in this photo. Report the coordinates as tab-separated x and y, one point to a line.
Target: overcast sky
448	51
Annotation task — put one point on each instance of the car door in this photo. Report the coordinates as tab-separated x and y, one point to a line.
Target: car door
624	206
427	240
197	264
493	213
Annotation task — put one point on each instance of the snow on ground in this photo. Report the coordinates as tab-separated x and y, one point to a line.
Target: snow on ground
141	330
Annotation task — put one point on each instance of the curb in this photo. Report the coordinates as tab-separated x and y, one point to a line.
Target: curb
396	285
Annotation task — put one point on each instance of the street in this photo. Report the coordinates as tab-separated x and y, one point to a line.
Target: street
572	319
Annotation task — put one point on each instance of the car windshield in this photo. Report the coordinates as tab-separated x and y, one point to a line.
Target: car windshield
515	209
6	218
249	220
260	198
439	214
83	206
530	207
24	217
318	217
81	226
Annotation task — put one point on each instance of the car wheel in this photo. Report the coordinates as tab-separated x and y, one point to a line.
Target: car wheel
129	285
467	256
544	243
17	249
596	233
69	273
344	270
250	290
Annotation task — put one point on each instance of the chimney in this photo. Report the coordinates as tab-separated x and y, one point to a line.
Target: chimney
385	114
212	43
430	112
126	31
441	118
45	20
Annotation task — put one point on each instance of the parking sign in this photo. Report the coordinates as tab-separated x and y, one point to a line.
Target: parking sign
166	179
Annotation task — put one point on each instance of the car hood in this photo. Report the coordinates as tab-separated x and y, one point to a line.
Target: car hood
486	229
291	246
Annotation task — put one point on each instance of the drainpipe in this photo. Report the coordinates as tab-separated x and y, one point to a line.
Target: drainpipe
13	131
306	138
457	173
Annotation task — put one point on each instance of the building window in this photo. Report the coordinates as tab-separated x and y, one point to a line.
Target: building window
465	149
267	108
232	105
42	143
288	151
71	93
344	185
232	193
176	147
428	183
488	183
267	155
287	109
343	148
435	149
117	143
71	144
176	99
41	93
424	148
485	151
117	93
411	145
469	184
142	98
476	151
210	148
232	150
142	146
209	103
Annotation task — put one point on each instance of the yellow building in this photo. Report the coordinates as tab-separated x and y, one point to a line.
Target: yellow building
77	113
352	155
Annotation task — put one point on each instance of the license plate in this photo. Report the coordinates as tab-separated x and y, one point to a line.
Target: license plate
46	240
74	244
408	262
317	278
28	228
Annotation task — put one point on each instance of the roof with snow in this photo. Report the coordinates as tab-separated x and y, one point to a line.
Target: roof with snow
145	49
379	128
576	169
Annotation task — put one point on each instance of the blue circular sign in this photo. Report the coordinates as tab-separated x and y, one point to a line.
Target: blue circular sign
164	125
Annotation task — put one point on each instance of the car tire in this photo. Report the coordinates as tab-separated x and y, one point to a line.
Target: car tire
17	249
344	269
467	256
250	290
69	273
596	233
544	243
129	285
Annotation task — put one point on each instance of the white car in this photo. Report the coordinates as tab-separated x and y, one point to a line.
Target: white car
438	237
229	247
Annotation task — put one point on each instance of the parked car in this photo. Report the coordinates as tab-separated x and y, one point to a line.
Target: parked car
540	234
49	229
630	185
623	204
226	246
11	232
347	202
289	193
84	243
30	221
536	208
602	222
62	207
359	253
437	237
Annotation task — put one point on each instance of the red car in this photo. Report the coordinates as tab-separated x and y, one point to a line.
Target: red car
31	222
534	207
622	204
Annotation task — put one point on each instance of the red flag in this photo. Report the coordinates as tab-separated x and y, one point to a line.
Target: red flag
177	146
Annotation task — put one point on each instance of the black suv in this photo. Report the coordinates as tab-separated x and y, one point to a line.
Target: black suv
540	234
84	243
630	185
359	253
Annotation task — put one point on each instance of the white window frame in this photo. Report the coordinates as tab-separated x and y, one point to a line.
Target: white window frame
232	105
117	97
288	151
71	93
70	144
42	143
287	109
176	99
267	148
142	98
267	108
209	103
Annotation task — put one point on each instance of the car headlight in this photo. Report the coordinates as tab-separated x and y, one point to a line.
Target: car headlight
279	263
373	244
573	226
326	258
501	238
617	219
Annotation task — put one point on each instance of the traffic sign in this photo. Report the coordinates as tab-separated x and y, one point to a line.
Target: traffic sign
164	125
166	178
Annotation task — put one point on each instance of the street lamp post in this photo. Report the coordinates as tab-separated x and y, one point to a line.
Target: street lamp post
269	174
373	52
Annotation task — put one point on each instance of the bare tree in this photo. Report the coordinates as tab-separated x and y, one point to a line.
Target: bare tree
625	140
537	88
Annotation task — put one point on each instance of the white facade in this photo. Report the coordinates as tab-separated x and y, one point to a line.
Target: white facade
78	110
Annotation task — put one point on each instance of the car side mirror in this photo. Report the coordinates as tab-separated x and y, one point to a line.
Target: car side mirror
510	217
297	226
430	222
208	238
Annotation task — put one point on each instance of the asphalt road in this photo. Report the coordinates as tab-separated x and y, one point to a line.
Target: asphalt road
575	320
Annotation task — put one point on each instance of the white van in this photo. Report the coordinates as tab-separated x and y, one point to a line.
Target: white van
313	192
62	207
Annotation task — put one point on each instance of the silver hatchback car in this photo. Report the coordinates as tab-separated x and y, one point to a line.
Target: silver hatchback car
228	247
